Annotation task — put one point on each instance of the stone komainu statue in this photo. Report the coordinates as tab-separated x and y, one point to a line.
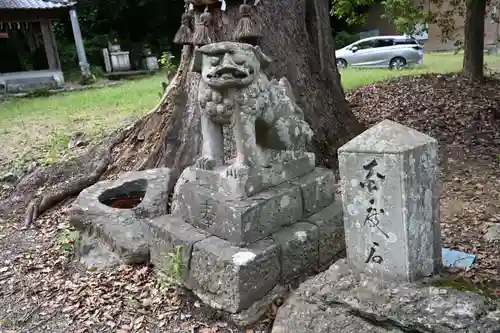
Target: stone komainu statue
263	114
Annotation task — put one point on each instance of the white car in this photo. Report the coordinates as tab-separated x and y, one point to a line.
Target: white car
394	52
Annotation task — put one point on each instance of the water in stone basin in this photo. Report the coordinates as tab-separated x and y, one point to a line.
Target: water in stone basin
126	200
126	196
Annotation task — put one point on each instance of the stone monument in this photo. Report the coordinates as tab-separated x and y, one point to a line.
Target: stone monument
391	220
391	202
240	229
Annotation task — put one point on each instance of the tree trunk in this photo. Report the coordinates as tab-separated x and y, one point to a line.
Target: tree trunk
297	36
473	66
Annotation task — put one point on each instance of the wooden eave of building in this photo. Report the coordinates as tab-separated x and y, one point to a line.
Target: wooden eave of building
30	15
33	10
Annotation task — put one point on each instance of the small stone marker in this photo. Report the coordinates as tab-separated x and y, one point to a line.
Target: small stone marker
107	60
391	202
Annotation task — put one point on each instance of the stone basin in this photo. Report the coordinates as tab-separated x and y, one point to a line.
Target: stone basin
113	211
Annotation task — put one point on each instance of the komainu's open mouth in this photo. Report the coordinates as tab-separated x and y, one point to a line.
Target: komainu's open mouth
228	73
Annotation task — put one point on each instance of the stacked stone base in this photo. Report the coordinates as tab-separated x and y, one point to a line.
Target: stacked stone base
236	254
244	280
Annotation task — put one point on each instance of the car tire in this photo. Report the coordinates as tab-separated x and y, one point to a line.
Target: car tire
397	63
341	63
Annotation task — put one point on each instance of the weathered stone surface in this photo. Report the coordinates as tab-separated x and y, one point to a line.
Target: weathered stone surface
331	237
123	233
299	315
8	177
155	200
120	228
93	254
493	232
240	221
258	308
29	83
277	173
341	300
299	250
318	190
391	202
284	167
232	278
188	175
165	234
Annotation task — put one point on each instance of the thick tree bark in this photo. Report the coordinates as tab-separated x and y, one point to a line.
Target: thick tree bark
473	66
297	36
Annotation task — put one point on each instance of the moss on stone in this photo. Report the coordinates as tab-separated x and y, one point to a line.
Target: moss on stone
490	289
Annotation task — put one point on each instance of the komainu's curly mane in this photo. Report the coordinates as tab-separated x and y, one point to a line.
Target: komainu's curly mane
252	99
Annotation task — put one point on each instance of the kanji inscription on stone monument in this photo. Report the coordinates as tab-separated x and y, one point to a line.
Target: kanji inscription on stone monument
207	215
373	212
390	200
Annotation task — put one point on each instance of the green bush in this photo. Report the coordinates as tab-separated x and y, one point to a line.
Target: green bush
93	50
166	63
67	54
344	38
168	66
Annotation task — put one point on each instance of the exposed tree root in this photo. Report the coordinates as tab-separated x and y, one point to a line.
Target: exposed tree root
169	136
45	201
136	147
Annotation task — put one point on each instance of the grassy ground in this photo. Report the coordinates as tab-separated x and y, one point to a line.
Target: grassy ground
432	63
39	128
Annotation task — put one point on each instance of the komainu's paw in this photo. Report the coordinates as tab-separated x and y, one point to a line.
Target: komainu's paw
237	171
205	163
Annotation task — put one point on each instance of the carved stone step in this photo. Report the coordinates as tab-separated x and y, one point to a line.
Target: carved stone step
318	190
233	278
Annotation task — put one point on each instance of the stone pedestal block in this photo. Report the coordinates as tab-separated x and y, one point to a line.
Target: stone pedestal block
107	60
391	202
299	250
331	238
233	278
165	234
242	280
240	221
151	63
284	166
318	189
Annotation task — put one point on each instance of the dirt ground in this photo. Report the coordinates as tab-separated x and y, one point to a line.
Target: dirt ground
44	290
